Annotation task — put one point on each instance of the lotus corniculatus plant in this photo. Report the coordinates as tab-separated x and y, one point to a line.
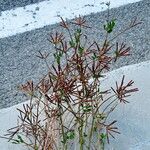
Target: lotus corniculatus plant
68	108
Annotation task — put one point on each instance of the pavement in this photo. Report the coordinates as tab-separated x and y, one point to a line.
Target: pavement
18	61
133	118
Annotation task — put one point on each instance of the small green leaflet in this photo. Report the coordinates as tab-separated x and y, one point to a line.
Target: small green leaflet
110	26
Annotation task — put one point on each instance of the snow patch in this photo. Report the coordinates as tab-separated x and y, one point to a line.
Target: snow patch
45	13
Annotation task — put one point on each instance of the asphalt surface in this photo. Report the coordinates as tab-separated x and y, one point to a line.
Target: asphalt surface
11	4
18	61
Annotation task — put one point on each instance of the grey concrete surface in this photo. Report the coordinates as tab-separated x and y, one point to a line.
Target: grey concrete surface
18	61
11	4
133	118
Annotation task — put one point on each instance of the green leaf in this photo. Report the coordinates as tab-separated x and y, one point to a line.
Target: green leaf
16	142
20	139
72	44
87	108
97	75
70	135
80	50
95	128
77	35
94	57
36	147
84	134
110	26
58	56
103	137
79	31
101	116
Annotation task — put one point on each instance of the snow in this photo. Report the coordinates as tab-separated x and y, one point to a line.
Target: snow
133	118
41	14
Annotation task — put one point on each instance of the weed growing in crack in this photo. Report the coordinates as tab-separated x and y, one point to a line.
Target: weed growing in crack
68	108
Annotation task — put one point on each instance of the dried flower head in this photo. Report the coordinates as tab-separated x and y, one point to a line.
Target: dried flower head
122	90
80	21
57	38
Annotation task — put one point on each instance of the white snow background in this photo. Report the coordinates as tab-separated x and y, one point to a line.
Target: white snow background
37	15
133	118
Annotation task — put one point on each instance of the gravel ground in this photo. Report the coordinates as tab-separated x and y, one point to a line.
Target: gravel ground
10	4
18	61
